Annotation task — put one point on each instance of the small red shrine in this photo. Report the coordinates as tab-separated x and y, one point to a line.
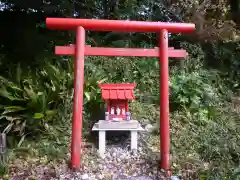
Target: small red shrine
117	96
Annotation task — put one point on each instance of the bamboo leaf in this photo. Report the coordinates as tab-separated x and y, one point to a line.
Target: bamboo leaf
31	94
50	112
38	116
8	128
6	94
21	141
87	95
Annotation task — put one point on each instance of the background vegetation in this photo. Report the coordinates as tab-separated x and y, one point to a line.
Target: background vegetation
36	86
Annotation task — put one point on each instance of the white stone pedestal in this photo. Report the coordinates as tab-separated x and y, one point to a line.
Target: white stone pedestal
117	126
134	139
102	142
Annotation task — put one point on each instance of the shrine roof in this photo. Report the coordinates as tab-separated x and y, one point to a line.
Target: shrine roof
117	91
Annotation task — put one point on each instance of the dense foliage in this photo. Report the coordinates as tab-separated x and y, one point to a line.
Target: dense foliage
36	86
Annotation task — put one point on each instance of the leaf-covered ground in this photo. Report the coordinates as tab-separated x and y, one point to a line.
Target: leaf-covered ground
119	163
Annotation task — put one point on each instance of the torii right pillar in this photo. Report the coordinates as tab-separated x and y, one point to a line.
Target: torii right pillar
164	101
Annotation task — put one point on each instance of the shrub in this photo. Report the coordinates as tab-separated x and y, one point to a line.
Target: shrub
195	93
29	101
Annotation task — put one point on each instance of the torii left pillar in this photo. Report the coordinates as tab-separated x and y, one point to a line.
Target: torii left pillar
164	101
76	143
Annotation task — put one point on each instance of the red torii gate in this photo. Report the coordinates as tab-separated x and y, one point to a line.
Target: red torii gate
80	50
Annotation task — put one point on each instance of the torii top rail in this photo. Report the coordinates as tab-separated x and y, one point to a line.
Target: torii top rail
80	50
117	25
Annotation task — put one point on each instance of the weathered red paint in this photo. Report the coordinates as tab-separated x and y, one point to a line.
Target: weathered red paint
118	25
78	98
164	101
117	91
101	51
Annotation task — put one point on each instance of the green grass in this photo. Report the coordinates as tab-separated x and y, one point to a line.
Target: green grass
209	151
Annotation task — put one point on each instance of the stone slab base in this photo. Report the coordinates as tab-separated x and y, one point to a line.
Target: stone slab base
132	124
